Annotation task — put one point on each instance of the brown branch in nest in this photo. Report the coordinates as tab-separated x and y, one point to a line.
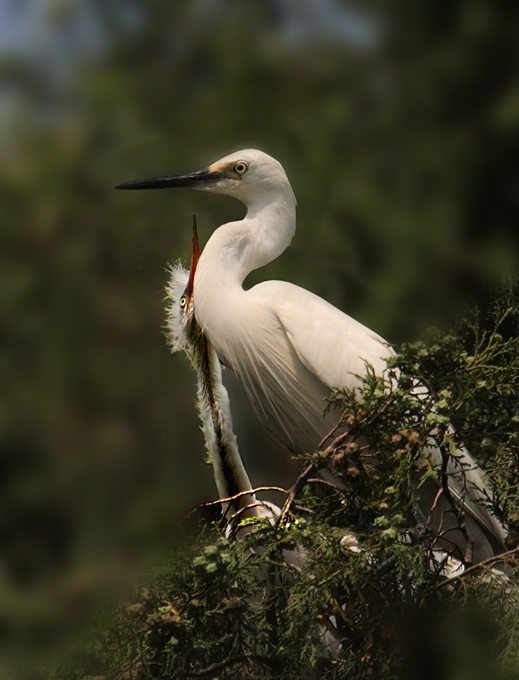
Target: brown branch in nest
340	440
457	511
324	482
229	661
302	508
480	566
331	435
433	507
351	434
294	491
250	492
305	476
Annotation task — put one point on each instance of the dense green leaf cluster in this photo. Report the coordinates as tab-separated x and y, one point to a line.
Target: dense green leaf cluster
346	583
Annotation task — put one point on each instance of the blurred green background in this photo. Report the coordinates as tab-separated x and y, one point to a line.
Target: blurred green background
398	125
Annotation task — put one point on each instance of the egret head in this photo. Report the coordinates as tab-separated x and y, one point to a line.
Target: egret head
249	175
181	325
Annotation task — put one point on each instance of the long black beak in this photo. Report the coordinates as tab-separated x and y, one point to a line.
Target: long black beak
194	180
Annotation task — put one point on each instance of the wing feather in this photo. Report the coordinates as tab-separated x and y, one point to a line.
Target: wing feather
335	348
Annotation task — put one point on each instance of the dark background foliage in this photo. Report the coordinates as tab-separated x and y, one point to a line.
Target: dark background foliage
398	125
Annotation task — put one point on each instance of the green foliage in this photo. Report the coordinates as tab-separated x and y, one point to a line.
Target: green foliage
473	375
402	154
346	583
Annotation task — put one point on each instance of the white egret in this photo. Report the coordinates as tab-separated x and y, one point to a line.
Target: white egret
184	334
289	347
213	405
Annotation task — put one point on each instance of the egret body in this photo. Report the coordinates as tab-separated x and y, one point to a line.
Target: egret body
287	346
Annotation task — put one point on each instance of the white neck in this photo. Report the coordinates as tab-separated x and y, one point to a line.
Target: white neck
237	248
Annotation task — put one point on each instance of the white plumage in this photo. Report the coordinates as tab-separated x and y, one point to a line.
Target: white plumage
287	346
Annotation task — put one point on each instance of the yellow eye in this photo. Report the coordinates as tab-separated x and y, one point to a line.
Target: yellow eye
240	167
182	302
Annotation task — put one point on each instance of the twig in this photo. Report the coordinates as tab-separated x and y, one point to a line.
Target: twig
330	434
303	509
304	476
489	562
229	661
250	492
319	480
433	507
458	513
294	491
